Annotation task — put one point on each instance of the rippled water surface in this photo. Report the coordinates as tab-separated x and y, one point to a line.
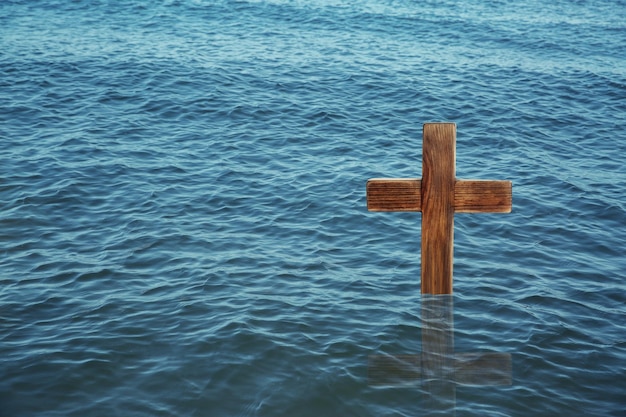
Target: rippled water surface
183	224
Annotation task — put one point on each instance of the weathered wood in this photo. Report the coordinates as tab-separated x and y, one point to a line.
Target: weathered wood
390	194
483	196
438	179
438	195
470	196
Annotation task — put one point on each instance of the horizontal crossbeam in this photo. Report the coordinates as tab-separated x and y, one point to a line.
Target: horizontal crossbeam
470	196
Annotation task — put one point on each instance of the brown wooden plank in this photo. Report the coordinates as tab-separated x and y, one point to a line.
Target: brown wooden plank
483	196
394	194
438	184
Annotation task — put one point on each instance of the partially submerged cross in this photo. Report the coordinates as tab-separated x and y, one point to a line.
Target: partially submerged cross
438	195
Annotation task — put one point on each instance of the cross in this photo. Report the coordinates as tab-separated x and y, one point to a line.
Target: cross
438	195
438	367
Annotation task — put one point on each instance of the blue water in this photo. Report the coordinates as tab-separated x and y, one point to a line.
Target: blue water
183	224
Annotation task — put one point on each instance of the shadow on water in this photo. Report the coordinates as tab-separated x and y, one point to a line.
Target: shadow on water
438	368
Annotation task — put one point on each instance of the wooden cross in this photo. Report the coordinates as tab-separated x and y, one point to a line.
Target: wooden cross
438	195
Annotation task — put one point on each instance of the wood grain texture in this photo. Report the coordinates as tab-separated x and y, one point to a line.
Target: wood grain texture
438	195
483	196
470	196
394	194
438	184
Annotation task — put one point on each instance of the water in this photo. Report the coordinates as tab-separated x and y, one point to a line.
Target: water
183	226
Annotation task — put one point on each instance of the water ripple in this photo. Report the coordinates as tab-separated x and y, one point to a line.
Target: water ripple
183	221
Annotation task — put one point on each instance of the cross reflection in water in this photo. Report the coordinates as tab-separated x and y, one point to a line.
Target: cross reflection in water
438	368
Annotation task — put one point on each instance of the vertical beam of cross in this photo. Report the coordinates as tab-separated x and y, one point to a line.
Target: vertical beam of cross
438	177
438	195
